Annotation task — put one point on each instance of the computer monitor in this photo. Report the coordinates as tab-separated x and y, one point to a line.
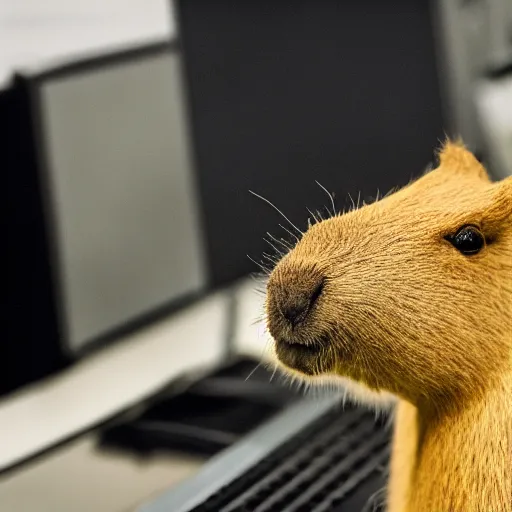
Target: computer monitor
126	219
286	93
105	224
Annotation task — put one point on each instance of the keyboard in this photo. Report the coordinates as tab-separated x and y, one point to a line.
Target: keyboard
315	457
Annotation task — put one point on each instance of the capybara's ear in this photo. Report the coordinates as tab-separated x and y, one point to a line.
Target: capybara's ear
454	157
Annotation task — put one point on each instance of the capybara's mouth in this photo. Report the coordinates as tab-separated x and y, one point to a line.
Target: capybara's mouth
310	359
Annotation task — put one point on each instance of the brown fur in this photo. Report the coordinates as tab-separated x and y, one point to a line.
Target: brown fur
403	311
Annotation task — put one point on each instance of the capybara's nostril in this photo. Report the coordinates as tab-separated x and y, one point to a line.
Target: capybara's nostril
295	312
298	296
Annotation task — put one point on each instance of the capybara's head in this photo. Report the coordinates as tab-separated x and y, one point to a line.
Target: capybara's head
411	294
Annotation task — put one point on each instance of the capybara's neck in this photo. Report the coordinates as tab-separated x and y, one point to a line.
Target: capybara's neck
464	458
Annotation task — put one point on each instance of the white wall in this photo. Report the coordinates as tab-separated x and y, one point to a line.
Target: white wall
37	33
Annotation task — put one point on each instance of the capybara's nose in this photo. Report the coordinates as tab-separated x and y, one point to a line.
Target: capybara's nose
294	291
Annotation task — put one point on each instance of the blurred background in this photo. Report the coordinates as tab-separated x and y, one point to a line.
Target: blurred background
131	133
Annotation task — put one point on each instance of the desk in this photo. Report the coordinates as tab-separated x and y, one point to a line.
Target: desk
78	477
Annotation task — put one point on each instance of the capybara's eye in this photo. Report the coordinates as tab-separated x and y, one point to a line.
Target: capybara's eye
468	240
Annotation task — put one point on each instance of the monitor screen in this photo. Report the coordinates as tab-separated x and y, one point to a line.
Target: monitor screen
121	192
287	93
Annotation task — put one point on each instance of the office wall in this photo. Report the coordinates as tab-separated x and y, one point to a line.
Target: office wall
37	34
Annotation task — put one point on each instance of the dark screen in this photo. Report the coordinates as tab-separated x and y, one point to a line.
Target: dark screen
284	93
